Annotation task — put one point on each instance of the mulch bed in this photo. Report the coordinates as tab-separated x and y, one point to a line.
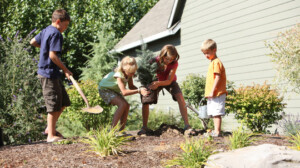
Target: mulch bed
143	152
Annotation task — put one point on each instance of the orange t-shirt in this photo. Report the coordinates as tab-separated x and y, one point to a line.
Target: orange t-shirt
215	67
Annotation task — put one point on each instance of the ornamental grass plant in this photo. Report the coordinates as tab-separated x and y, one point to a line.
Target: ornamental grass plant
295	139
106	141
195	154
240	139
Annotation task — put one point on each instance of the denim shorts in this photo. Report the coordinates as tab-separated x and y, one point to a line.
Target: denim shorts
54	94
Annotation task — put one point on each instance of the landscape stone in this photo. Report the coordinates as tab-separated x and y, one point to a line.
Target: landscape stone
262	156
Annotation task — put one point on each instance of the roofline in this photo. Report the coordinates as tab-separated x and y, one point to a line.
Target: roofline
173	13
151	38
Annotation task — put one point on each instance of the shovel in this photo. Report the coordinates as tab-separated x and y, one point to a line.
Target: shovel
95	110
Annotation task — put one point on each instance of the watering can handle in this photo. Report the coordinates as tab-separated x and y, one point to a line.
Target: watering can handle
80	91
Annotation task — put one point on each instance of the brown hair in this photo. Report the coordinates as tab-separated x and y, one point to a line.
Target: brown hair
60	14
168	50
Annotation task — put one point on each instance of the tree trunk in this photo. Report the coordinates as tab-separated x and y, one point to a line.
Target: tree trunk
1	137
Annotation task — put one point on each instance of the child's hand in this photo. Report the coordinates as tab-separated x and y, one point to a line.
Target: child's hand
154	85
68	74
210	95
144	92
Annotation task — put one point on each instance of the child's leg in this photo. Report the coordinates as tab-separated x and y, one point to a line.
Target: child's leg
145	114
217	124
51	123
121	112
56	119
182	107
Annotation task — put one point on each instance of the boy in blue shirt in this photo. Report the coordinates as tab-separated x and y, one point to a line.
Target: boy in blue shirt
50	41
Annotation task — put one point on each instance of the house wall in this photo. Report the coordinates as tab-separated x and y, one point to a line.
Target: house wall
240	29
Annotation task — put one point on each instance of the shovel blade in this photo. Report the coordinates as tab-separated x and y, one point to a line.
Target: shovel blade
95	110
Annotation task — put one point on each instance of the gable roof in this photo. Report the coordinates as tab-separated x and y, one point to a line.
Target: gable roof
161	21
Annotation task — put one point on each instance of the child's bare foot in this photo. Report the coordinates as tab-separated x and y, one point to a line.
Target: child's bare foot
54	139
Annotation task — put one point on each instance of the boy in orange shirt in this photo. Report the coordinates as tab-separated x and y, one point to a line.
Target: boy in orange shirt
215	87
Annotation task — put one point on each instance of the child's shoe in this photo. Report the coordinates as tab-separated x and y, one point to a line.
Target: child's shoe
143	131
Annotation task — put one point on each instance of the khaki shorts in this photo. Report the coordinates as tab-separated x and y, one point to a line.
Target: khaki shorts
107	95
54	94
173	89
216	105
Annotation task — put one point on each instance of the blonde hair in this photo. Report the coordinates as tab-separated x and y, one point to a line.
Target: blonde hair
128	64
168	51
208	44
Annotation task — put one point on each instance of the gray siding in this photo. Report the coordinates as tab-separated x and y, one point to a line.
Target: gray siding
240	29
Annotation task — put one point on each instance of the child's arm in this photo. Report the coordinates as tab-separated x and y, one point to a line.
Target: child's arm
126	92
34	43
154	85
58	62
216	82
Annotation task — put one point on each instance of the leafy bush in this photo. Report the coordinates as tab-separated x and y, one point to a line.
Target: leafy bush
106	141
195	154
86	18
285	53
71	128
257	106
88	120
290	124
20	92
240	139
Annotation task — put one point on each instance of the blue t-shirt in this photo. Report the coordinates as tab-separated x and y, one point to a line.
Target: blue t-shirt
50	39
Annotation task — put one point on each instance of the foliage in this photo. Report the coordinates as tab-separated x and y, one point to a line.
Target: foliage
285	53
295	139
106	141
146	66
71	128
195	154
240	139
20	92
86	18
290	124
100	61
257	106
74	112
193	88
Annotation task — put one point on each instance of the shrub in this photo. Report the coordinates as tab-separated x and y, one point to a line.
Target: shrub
285	53
20	92
290	124
88	120
71	128
239	139
146	67
106	141
257	106
195	154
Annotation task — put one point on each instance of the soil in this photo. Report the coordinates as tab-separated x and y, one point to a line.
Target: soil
143	151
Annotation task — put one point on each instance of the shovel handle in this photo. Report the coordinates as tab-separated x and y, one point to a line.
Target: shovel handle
80	91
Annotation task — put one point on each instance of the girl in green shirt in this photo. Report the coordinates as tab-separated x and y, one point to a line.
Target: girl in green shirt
112	89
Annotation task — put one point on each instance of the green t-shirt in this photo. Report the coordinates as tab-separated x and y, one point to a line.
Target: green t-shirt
110	81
